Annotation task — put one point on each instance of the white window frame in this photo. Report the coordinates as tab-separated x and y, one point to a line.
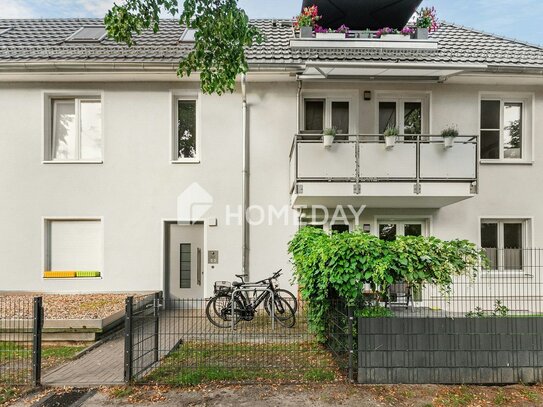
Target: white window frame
329	97
527	235
400	230
401	98
425	220
174	154
46	244
48	97
527	147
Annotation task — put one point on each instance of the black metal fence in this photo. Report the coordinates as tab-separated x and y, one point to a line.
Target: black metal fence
21	323
141	335
485	330
186	348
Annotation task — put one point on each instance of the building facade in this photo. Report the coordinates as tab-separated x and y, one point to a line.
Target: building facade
118	176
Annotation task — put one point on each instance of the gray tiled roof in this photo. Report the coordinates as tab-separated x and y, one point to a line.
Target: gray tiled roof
43	40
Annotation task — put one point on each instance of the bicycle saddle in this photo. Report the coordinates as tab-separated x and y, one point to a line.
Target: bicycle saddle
237	284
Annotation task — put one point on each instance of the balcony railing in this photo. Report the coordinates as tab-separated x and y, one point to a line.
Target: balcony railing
364	158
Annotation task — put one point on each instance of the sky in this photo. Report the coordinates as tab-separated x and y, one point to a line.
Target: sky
519	19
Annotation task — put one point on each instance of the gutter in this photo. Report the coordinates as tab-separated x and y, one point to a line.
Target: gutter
78	66
245	180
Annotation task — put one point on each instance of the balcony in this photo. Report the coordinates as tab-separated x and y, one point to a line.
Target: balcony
417	172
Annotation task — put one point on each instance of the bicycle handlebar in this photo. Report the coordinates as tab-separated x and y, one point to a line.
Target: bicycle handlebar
273	277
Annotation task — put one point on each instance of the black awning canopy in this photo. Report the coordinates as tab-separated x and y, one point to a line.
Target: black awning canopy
364	14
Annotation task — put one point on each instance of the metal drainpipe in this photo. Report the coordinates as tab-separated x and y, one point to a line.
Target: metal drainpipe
245	182
298	118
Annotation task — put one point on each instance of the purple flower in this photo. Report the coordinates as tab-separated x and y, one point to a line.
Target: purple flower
386	31
343	29
319	29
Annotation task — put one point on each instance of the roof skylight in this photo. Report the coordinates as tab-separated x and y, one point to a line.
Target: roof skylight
188	35
88	34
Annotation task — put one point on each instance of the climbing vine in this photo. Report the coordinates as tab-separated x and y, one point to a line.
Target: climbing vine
343	263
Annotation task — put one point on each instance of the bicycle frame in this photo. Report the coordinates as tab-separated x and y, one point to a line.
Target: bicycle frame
265	293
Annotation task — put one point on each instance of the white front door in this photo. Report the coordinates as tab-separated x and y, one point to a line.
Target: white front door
185	261
389	229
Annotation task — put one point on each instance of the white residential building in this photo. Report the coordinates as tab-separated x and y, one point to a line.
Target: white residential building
103	150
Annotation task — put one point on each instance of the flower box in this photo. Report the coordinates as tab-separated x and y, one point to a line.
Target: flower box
331	36
395	37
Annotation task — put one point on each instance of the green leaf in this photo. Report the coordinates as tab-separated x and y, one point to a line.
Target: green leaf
223	32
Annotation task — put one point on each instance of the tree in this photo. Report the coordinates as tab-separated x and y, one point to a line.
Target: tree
223	31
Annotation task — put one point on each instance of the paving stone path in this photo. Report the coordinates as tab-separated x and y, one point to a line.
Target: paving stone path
101	366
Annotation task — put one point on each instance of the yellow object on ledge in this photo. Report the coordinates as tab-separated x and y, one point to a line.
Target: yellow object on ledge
71	274
59	274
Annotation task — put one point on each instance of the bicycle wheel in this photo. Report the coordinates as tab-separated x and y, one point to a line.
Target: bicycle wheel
219	311
282	311
287	296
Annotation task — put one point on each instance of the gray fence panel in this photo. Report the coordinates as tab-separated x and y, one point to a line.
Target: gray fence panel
450	351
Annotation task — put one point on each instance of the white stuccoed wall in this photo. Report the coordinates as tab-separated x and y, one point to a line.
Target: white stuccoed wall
136	187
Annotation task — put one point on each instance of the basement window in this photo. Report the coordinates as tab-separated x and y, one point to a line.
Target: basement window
88	34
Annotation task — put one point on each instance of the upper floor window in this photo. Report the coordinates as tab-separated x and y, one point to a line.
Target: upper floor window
501	129
322	113
76	130
186	143
405	114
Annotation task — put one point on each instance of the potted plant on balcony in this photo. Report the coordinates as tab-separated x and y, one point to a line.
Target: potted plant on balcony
391	134
328	137
393	34
449	134
306	20
330	34
425	23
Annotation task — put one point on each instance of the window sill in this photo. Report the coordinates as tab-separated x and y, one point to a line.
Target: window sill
506	274
186	161
72	162
506	162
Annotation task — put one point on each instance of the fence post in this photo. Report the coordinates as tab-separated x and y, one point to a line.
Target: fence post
128	339
350	314
37	327
156	309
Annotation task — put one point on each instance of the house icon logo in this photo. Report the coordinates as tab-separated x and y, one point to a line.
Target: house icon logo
192	204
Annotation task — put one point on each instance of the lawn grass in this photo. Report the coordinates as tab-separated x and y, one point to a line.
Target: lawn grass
8	393
203	362
16	359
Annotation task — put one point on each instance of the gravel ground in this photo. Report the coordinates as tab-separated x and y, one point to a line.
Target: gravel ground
62	306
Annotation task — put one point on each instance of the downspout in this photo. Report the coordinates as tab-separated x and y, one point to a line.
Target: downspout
245	180
298	126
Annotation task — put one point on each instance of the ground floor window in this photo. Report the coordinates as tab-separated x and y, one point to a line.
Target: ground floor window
340	228
504	241
73	248
390	229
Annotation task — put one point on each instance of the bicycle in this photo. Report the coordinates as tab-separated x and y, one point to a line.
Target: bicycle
278	292
219	308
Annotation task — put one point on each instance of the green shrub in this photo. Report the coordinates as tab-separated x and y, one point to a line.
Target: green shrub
374	312
342	263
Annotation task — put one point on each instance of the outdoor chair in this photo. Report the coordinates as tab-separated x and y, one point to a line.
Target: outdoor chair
399	294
